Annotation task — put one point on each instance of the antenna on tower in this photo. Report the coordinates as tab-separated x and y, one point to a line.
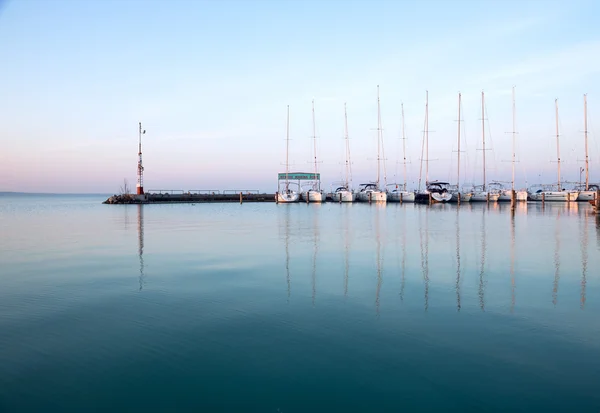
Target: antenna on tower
140	168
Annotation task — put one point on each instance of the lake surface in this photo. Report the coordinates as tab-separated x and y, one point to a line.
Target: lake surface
297	308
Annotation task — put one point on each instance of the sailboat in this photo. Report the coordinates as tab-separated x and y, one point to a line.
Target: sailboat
370	192
482	192
506	194
435	191
343	193
287	195
560	195
314	194
588	192
402	194
465	196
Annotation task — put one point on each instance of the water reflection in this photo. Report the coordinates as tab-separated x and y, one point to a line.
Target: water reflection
140	222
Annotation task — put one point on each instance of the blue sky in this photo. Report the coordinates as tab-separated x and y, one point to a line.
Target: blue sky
210	81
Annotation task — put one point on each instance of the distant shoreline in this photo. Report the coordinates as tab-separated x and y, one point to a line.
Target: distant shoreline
55	193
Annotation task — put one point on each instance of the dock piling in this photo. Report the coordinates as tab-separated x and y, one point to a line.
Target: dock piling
370	196
340	194
430	199
458	199
400	197
513	199
543	198
276	197
240	198
597	201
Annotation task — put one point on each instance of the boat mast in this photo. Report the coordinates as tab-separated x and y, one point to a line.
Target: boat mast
318	186
513	138
483	135
287	150
403	145
557	144
426	137
378	137
347	148
458	167
587	164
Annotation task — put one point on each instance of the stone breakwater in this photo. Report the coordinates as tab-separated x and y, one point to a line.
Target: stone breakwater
187	198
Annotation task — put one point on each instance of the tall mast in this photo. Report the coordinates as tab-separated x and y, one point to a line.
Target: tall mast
426	137
587	164
140	168
287	149
557	144
514	159
347	148
315	139
483	136
403	145
458	166
378	137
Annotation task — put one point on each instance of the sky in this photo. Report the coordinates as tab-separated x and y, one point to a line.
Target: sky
210	81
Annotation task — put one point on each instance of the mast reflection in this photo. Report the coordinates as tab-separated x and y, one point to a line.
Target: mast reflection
482	269
379	258
584	259
458	267
316	249
556	260
403	264
346	249
512	262
425	254
287	252
140	222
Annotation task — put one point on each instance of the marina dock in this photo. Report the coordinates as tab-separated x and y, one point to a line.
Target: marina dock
180	197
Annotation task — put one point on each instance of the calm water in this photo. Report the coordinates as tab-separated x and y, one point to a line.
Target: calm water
297	308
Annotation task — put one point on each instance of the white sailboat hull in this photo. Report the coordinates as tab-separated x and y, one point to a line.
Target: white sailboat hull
482	196
343	196
372	196
505	196
556	196
288	197
464	197
586	196
441	197
405	195
312	196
